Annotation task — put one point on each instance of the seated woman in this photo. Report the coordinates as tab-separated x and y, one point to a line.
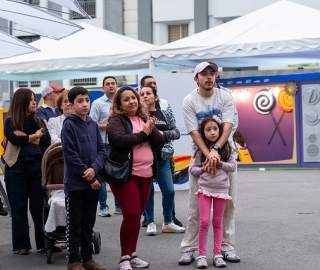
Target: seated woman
166	124
140	146
55	123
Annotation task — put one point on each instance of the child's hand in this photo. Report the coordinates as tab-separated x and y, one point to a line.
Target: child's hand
219	163
204	169
95	185
89	174
210	164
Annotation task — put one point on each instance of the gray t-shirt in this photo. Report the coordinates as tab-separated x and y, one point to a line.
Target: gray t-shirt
196	107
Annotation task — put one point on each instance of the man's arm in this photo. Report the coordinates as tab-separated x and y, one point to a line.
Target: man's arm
196	137
95	115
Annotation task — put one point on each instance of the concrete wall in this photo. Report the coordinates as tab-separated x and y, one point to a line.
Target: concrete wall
130	18
4	85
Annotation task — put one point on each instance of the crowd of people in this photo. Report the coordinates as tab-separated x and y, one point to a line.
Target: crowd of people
123	125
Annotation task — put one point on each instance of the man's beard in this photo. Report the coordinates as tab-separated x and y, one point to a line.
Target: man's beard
208	88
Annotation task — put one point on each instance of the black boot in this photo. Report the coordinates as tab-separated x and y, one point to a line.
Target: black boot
2	211
174	219
144	222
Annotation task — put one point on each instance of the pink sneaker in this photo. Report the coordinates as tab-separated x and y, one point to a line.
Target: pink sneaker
138	263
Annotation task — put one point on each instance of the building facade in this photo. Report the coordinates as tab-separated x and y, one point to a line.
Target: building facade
153	21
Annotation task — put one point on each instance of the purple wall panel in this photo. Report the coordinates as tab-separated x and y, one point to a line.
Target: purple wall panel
257	128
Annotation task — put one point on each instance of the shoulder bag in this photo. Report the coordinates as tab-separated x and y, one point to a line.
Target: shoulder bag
113	171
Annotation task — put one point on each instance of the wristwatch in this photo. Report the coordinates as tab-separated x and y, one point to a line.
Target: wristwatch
216	147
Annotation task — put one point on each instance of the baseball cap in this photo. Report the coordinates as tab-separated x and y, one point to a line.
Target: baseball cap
51	88
200	67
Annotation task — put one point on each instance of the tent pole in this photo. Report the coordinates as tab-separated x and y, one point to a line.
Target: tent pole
10	82
151	66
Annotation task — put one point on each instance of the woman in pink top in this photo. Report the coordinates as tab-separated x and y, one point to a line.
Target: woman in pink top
141	145
213	189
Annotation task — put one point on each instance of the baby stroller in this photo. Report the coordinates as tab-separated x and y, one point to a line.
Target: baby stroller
54	216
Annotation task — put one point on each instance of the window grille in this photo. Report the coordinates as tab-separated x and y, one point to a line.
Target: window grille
176	32
88	6
85	81
22	84
32	2
35	83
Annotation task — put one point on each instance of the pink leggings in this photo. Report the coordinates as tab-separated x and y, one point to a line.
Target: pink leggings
132	197
204	210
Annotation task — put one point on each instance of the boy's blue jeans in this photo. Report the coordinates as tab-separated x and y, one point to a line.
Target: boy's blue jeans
103	189
166	186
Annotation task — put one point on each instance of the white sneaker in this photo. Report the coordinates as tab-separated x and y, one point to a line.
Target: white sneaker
124	264
219	262
230	256
151	229
186	258
136	262
202	262
172	228
104	213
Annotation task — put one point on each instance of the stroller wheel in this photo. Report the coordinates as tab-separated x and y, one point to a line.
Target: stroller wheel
49	254
96	242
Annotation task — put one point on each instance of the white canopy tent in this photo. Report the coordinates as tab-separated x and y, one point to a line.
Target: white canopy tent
88	53
282	33
37	19
12	46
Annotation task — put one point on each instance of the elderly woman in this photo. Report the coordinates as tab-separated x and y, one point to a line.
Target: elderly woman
55	123
166	124
142	143
29	136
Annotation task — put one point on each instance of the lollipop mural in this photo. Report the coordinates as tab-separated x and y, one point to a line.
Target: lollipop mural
285	103
263	102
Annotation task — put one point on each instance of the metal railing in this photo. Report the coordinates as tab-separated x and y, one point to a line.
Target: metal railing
84	81
88	6
23	84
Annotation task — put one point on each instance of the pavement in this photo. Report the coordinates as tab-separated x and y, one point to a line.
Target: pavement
277	227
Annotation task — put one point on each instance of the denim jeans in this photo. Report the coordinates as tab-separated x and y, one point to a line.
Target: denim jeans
103	189
166	186
23	184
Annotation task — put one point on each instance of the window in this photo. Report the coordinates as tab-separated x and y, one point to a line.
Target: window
29	39
35	83
85	81
32	2
88	6
25	84
22	84
176	32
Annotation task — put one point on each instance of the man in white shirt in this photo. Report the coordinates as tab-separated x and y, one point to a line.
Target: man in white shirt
99	113
209	99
